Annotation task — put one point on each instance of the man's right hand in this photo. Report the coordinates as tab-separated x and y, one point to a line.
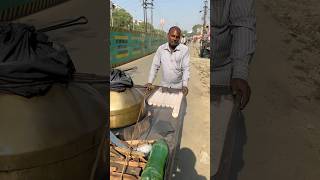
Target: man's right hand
242	88
149	86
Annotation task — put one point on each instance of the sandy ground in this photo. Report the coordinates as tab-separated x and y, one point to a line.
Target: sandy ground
282	119
193	158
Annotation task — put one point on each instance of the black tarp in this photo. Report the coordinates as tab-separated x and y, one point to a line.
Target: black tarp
29	62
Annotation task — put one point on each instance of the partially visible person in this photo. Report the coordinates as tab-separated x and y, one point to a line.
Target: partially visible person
183	40
234	41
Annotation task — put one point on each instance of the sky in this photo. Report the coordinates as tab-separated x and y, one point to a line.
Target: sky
182	13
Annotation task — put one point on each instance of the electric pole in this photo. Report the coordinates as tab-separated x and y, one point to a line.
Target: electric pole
144	6
111	8
151	11
205	9
203	42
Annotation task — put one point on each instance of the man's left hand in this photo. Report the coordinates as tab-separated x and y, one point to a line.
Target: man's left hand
185	90
242	88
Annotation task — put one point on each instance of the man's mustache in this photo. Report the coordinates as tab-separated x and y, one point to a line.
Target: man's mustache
174	42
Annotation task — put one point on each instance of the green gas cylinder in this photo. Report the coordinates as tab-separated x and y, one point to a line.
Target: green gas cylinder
154	169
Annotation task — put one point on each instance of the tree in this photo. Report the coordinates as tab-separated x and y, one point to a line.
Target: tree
195	27
121	18
140	27
185	32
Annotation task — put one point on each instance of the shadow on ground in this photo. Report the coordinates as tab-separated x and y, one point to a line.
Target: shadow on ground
233	163
185	169
237	162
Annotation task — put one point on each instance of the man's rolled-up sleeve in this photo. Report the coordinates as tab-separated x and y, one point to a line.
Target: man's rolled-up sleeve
243	30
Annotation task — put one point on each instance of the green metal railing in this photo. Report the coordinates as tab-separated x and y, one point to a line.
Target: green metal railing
126	46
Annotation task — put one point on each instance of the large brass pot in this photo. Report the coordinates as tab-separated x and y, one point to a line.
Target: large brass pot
56	136
125	107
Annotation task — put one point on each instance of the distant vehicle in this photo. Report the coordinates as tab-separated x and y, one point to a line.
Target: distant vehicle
205	48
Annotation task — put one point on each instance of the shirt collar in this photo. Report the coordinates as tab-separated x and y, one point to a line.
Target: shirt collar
166	47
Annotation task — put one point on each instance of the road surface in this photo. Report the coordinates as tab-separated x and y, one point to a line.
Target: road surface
193	158
282	119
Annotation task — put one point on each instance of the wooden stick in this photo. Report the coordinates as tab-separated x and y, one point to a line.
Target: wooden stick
129	153
130	163
137	142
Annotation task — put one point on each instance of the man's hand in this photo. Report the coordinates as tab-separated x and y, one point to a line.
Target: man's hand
242	88
185	90
149	86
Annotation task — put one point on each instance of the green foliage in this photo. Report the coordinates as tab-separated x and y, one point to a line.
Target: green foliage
158	31
121	18
141	27
184	32
195	27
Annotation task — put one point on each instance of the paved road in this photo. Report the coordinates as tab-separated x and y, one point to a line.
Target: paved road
87	45
193	157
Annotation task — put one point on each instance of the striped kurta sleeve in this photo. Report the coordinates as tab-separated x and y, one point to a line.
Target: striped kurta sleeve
243	30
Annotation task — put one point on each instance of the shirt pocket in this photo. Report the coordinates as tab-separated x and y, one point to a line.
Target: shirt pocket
178	67
178	60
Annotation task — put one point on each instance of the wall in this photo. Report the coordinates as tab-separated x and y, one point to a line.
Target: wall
126	46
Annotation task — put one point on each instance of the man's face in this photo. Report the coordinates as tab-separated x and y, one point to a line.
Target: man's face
174	37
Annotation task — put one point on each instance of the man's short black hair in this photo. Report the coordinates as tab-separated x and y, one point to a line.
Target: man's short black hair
175	28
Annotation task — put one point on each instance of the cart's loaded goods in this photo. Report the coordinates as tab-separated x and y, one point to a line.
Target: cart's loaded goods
127	160
126	103
154	169
51	125
165	99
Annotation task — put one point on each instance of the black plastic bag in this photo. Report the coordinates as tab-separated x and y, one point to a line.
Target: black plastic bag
29	62
119	80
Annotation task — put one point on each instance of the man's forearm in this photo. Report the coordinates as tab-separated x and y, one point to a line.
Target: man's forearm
186	69
152	74
155	66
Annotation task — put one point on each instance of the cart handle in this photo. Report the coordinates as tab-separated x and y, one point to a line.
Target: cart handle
78	21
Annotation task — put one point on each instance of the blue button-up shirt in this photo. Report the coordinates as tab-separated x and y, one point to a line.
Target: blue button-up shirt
175	66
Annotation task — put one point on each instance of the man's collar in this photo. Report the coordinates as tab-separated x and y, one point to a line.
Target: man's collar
168	48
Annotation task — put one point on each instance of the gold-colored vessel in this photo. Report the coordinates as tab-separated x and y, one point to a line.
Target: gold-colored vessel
55	136
125	107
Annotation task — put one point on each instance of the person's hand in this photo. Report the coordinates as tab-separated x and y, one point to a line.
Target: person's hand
241	88
149	86
185	90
